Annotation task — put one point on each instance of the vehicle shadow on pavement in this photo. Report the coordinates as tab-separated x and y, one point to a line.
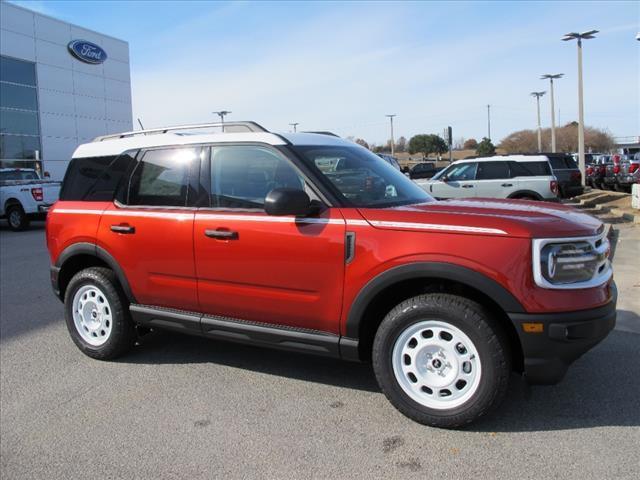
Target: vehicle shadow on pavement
162	347
34	225
600	389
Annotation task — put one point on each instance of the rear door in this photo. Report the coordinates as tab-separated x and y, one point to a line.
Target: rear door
493	180
148	229
251	266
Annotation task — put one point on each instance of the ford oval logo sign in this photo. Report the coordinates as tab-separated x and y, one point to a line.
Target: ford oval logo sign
87	52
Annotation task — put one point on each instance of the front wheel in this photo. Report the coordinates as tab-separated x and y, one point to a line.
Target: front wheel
441	360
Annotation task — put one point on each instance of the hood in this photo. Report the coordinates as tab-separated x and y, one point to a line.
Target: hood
515	218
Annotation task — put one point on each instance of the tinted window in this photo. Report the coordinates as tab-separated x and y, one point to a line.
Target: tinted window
161	178
241	176
529	169
461	172
362	177
18	146
492	170
17	71
18	175
16	121
17	96
571	163
557	163
81	176
110	179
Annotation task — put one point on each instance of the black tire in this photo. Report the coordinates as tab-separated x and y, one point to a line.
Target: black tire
122	336
525	197
475	322
17	219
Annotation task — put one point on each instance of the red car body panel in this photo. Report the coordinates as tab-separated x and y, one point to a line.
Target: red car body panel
292	272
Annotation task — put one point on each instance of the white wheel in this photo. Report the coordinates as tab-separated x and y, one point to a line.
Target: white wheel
436	364
92	315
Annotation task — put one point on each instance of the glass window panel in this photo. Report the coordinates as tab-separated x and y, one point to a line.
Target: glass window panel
17	71
18	146
19	122
17	96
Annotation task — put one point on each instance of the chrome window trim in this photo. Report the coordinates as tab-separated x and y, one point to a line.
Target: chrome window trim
538	244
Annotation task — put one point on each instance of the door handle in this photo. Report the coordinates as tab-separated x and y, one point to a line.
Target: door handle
126	229
221	234
507	185
467	186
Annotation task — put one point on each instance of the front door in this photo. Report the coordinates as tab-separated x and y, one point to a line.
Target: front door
251	266
150	232
459	182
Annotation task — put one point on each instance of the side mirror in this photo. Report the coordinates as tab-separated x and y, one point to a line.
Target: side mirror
287	201
444	178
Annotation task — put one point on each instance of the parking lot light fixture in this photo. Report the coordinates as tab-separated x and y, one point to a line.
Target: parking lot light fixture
295	126
392	140
538	95
551	78
579	37
222	114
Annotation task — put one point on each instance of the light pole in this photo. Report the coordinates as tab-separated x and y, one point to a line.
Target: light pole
551	77
538	95
221	114
489	122
579	37
392	140
295	126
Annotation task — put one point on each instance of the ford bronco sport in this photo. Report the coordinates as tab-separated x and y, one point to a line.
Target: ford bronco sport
311	243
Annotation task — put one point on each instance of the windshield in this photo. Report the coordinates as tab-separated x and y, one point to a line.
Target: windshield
362	177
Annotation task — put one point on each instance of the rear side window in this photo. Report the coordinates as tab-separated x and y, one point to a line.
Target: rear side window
161	178
530	169
557	163
82	175
492	170
95	179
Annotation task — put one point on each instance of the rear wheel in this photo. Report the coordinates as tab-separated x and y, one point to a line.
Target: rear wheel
17	219
440	360
97	314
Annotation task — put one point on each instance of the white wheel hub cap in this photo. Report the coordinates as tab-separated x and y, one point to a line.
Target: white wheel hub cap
436	364
92	315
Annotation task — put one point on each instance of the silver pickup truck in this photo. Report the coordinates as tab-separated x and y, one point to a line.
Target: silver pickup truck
24	196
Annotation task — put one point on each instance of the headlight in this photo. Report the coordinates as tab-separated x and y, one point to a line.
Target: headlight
571	262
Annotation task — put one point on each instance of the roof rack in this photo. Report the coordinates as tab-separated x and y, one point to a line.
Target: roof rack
226	126
325	133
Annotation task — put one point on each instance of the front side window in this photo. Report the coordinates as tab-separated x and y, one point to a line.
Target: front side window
361	177
243	175
492	170
462	172
161	178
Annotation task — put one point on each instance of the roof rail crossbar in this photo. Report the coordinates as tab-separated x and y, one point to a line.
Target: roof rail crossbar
235	126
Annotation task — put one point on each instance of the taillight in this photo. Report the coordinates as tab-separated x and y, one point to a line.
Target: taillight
633	167
554	187
589	170
577	175
37	194
616	168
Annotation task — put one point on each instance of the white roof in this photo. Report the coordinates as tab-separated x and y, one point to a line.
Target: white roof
116	146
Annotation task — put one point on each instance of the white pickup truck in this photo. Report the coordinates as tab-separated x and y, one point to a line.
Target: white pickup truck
24	196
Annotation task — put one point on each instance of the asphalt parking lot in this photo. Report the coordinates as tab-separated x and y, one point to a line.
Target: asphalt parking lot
183	407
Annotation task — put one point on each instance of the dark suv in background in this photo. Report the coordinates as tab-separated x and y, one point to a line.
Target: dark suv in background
567	172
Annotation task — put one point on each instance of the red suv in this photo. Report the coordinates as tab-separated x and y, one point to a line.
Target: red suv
310	243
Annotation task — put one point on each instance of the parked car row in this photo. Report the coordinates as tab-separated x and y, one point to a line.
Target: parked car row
613	172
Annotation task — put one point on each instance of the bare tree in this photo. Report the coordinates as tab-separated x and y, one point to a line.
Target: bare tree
362	142
401	144
470	144
525	141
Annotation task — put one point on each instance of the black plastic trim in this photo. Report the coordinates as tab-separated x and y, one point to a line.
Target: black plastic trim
529	193
84	248
241	331
434	270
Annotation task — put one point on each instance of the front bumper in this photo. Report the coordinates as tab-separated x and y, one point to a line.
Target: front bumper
564	338
628	179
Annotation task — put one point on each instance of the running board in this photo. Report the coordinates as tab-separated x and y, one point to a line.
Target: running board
241	331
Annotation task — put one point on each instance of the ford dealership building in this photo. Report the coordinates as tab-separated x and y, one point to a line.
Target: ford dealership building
60	85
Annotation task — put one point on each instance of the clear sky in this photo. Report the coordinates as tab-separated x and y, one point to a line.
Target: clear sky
342	66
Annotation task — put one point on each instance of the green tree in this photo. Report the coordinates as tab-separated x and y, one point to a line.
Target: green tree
427	144
485	148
